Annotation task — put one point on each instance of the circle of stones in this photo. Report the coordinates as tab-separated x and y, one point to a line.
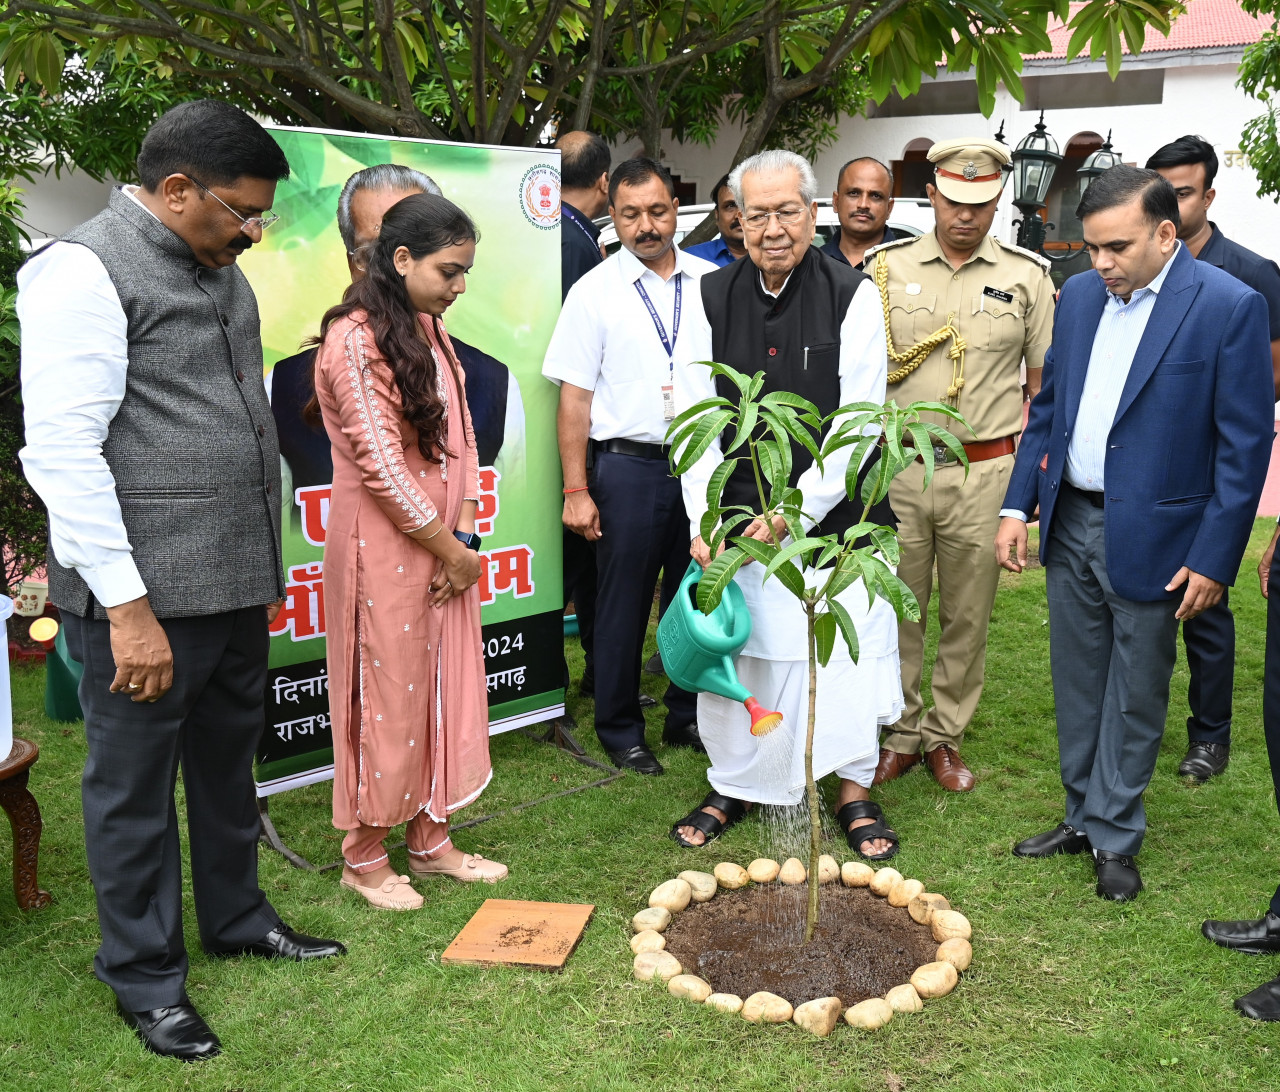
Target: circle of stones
819	1015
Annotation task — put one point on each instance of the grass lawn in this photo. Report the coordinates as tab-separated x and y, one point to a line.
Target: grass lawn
1066	991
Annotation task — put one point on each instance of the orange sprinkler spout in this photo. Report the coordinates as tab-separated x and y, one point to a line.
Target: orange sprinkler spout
763	721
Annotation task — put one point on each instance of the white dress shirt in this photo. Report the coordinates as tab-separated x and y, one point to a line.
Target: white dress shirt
75	357
605	341
862	369
1115	343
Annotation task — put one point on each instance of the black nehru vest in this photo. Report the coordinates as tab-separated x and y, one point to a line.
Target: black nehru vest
751	332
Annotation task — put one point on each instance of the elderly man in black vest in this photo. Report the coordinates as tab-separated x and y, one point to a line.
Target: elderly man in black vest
815	328
150	439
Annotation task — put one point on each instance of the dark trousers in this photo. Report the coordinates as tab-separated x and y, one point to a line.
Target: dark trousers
210	723
580	587
1271	689
1210	640
1111	659
644	529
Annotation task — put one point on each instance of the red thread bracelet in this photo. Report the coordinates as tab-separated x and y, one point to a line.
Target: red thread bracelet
578	489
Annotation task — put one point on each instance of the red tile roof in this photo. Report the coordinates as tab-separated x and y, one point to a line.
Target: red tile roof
1206	24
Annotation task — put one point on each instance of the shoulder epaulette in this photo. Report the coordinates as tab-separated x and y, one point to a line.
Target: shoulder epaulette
1039	259
886	246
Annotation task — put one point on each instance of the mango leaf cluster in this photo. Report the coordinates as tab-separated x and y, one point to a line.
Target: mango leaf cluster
760	430
1259	75
511	71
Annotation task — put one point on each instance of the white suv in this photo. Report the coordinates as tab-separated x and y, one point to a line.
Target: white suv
910	216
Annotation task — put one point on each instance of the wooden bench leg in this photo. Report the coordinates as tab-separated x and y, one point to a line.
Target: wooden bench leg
24	818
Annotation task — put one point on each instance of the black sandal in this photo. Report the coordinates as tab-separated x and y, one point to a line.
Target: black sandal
708	823
859	836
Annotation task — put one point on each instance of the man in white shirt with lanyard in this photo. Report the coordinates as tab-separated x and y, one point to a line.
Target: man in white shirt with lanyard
612	354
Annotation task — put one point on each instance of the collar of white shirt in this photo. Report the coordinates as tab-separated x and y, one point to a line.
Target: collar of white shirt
781	288
131	192
633	268
1157	282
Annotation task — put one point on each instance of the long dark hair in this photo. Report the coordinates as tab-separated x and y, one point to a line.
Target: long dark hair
424	223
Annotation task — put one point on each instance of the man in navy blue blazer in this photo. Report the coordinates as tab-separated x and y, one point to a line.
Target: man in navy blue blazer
1145	451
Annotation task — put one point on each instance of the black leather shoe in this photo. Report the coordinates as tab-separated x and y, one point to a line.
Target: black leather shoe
638	758
176	1031
1254	937
1062	839
283	943
1118	878
684	737
653	665
1263	1003
1205	760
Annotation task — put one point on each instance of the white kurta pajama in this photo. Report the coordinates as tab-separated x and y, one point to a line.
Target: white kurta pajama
853	700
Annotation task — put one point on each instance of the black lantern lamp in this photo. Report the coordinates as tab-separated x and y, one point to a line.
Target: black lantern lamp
1035	160
1100	161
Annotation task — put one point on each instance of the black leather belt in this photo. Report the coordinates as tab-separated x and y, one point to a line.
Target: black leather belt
634	448
1092	496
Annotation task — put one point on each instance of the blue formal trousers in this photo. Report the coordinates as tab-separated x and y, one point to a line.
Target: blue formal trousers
644	530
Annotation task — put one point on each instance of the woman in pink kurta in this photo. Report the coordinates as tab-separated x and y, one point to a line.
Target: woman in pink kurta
410	717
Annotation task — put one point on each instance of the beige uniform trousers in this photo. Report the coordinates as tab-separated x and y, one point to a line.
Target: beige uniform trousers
952	523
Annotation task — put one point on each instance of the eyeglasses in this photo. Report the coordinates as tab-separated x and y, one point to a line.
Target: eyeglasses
246	222
361	254
757	221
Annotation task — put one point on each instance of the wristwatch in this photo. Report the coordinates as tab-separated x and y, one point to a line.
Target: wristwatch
469	539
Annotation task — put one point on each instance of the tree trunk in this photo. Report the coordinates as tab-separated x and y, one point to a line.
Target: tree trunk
810	786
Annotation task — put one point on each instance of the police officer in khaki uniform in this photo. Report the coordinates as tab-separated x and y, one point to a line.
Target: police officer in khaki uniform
964	311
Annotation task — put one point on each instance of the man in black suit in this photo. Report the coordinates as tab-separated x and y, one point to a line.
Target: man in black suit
584	195
1262	935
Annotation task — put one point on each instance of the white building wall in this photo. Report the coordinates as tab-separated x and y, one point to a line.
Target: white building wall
1198	98
56	205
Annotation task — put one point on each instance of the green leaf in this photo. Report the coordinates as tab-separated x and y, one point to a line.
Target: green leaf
727	527
847	629
763	552
735	377
786	398
792	549
716	483
716	576
703	436
803	436
824	632
886	543
748	414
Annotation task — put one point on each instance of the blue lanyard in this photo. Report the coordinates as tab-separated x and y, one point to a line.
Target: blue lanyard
670	346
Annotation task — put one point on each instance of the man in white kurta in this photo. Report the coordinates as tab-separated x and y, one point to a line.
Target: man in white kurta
815	328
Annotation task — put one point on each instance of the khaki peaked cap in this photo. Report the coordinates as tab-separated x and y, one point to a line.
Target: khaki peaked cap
970	171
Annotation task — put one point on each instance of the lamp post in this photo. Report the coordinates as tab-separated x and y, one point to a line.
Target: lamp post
1035	160
1102	160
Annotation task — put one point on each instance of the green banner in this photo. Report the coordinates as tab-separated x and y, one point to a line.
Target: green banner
501	327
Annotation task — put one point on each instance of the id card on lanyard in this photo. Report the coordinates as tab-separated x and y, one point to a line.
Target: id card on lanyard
668	388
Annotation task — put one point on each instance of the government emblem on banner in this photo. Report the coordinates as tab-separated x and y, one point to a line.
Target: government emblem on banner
540	196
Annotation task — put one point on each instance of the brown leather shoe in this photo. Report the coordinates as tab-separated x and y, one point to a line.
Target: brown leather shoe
948	769
892	764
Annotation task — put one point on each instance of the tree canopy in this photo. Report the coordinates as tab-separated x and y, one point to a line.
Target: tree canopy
1260	76
511	71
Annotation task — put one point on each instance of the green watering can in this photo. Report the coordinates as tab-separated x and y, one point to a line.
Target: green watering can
698	650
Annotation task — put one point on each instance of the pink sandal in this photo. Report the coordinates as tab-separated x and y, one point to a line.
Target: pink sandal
394	893
474	869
